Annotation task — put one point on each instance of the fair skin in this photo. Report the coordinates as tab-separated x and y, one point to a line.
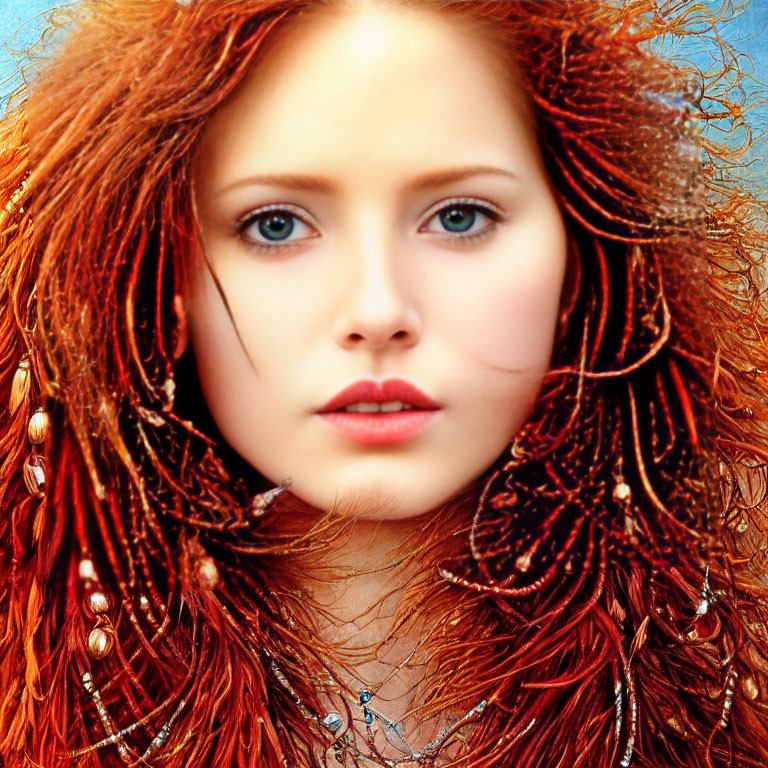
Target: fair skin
371	283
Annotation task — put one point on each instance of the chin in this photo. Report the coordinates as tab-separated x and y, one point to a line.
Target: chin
388	505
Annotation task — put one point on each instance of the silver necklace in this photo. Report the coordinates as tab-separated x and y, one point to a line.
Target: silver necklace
345	747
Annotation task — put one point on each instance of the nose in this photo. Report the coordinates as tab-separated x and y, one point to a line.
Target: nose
376	309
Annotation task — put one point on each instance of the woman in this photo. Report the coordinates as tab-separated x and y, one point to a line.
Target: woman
230	224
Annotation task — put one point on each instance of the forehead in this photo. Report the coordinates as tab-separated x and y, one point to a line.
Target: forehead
389	83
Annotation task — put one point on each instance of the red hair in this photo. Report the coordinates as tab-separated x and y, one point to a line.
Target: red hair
642	464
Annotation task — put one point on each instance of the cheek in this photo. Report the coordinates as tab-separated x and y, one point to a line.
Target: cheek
506	320
226	376
247	386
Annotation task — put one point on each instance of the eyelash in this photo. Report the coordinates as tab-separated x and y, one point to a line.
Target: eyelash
486	209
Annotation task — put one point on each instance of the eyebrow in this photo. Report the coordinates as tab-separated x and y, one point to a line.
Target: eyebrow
320	184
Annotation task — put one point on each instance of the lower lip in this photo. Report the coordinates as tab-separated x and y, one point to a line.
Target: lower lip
379	428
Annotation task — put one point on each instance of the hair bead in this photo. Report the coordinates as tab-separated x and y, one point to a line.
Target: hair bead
750	687
86	570
37	431
98	602
262	501
34	475
99	643
19	386
207	573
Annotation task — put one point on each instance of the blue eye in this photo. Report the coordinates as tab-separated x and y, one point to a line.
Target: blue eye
272	228
461	217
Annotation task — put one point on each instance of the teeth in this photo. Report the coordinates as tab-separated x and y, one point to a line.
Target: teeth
390	407
396	405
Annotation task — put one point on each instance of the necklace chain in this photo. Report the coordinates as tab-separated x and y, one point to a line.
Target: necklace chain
345	745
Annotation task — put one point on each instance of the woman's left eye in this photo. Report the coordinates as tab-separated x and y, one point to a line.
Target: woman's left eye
464	219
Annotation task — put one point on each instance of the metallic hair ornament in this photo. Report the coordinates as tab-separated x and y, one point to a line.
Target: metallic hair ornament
118	737
106	720
12	204
101	640
262	501
25	385
101	636
707	596
20	385
37	430
626	758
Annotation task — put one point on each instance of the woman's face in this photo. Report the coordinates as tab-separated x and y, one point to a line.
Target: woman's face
374	205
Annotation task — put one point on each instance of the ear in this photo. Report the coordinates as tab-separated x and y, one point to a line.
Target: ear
182	329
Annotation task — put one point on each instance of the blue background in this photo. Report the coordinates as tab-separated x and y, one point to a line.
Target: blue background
22	21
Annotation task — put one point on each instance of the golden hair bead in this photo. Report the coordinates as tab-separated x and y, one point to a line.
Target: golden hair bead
19	386
99	643
207	573
98	602
86	570
37	430
750	687
622	492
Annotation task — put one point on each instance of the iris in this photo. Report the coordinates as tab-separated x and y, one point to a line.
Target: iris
276	227
457	219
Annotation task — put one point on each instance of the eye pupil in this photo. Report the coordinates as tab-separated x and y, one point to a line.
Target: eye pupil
276	226
457	219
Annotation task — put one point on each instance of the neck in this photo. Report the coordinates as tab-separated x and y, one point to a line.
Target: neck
360	569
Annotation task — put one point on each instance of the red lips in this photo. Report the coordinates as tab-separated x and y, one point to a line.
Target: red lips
380	392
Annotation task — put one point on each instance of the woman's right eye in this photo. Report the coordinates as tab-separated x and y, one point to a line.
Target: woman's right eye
273	228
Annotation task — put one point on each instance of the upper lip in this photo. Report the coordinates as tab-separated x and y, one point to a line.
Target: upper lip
391	390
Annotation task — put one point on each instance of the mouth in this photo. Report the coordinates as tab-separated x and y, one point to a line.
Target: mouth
380	413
